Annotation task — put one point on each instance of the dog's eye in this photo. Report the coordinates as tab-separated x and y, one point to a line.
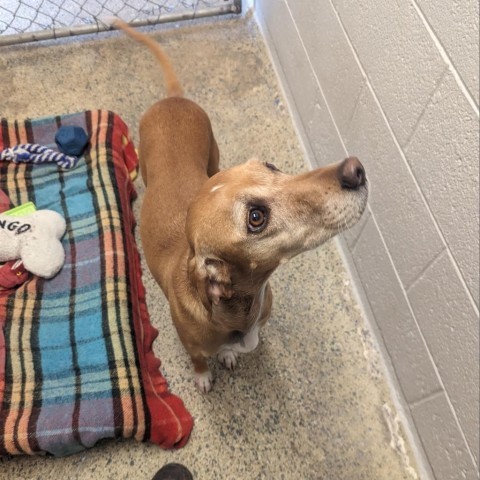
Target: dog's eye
257	219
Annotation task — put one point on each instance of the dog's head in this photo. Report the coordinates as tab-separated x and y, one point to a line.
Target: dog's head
247	220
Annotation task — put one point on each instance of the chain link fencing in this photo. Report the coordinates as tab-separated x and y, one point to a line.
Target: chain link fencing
31	20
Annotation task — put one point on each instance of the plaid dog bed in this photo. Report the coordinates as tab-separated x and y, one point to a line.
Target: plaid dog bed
76	363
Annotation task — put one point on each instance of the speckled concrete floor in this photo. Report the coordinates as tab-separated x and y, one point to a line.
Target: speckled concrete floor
311	402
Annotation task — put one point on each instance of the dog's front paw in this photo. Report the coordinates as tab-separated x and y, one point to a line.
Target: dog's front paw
228	358
204	381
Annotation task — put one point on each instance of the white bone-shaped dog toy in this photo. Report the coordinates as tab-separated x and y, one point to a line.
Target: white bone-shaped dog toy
35	239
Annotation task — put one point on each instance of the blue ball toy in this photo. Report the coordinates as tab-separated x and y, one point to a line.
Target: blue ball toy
71	140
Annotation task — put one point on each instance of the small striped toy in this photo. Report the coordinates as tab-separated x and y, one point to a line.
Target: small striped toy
35	153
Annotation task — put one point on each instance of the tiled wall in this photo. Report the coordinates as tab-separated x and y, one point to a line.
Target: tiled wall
396	84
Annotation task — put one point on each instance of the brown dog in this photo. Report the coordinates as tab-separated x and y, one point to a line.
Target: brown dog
213	238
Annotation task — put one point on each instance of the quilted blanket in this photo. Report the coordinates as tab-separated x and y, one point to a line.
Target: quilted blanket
76	363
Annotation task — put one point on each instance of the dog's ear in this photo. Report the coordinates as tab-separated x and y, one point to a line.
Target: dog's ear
213	279
219	282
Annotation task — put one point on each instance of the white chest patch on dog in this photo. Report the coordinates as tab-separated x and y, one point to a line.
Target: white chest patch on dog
248	343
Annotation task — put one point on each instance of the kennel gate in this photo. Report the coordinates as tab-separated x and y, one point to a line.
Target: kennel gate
24	21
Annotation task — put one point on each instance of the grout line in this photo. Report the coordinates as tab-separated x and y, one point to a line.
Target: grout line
426	399
457	421
409	168
355	108
355	242
422	114
424	269
446	58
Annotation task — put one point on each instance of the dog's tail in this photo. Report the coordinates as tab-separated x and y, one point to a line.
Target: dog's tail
174	89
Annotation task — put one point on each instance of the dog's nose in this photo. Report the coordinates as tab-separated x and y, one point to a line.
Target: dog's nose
352	174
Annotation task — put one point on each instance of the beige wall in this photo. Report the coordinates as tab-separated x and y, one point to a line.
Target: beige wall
396	83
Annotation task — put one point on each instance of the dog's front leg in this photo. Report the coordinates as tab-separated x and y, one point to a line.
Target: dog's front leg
203	376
